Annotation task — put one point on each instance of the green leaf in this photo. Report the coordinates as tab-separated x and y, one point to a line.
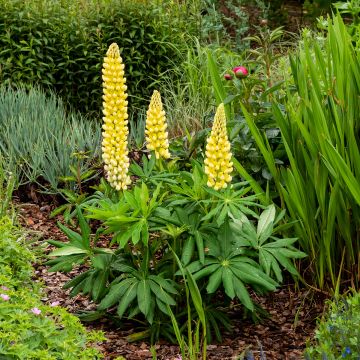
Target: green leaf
99	284
84	227
115	293
72	235
242	294
126	300
227	279
67	250
214	280
265	223
200	246
144	297
188	250
161	293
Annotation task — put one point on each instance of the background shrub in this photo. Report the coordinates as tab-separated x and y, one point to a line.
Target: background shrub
61	45
39	139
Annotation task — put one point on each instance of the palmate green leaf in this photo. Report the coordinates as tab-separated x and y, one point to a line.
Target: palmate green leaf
166	284
215	280
277	271
76	280
123	237
279	243
162	306
242	294
227	280
127	298
65	263
188	250
160	293
252	275
200	246
283	260
144	296
265	260
115	293
99	284
73	236
265	223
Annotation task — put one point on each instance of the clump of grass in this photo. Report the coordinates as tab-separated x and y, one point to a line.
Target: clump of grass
39	138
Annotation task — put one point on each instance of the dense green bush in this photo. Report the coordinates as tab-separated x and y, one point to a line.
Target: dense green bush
28	328
338	334
39	139
61	45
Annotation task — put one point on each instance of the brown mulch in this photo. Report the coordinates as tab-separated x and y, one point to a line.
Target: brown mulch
293	312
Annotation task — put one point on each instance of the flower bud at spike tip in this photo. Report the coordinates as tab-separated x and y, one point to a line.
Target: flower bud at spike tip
156	134
228	77
240	72
218	165
114	144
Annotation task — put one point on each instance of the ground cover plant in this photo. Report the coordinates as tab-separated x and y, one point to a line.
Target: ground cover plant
337	336
30	329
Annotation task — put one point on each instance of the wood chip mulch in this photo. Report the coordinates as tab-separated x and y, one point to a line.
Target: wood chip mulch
293	312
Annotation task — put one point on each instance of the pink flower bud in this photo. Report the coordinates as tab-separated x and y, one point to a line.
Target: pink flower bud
55	303
240	72
5	297
228	77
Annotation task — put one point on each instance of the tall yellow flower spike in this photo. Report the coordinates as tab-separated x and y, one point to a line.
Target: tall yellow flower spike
115	127
218	165
156	134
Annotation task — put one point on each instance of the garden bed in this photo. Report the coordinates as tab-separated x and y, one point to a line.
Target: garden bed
292	312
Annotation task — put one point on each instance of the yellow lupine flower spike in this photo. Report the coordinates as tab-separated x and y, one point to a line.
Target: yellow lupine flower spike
156	134
218	165
115	127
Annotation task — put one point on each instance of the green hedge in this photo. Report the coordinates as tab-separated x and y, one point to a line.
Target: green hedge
61	44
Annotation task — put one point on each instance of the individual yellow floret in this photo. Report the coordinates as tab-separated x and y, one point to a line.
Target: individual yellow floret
218	165
156	134
115	127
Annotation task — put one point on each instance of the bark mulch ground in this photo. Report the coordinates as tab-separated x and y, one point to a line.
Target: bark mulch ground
293	312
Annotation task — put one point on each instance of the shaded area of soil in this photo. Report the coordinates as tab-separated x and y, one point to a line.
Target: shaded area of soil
282	336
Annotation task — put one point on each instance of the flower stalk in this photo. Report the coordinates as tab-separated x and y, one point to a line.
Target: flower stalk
218	165
115	127
156	134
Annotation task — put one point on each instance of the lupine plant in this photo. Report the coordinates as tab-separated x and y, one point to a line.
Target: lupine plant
173	222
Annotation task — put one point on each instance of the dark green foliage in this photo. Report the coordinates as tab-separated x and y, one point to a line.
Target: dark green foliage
61	45
338	333
164	229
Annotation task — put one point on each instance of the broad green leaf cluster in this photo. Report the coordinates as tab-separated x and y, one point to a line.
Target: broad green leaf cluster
170	227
